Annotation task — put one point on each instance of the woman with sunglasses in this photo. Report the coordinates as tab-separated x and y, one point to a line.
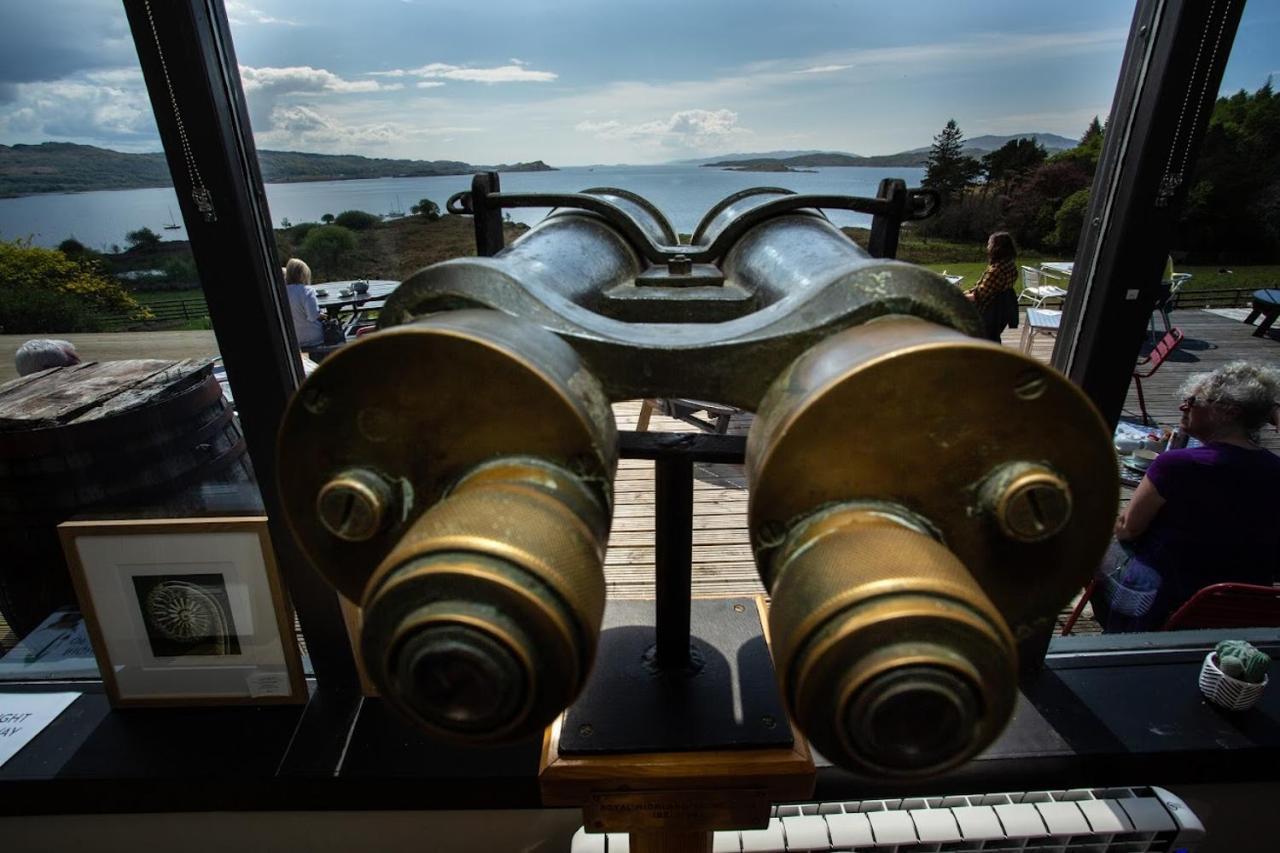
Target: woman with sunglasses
1208	514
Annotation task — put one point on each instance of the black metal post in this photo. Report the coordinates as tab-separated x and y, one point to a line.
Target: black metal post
885	228
673	558
487	216
1169	81
184	48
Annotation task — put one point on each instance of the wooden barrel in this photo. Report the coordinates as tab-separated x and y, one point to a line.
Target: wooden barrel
101	436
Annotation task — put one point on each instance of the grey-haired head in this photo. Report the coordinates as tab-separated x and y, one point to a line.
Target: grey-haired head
1242	393
43	353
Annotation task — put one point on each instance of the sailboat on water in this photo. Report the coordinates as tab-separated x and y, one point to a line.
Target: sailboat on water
173	223
397	211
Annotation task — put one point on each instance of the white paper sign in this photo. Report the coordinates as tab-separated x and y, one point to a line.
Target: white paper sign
24	715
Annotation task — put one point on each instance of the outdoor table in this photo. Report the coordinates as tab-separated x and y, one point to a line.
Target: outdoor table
360	303
1058	269
333	300
1040	321
1266	303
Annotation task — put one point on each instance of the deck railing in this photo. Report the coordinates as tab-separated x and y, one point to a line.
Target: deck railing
1238	297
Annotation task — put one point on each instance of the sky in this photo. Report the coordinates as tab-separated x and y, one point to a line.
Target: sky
578	82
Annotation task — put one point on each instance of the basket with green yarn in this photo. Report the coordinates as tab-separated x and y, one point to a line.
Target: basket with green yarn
1234	675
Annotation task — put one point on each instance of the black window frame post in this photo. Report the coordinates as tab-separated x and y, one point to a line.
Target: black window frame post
189	65
1169	80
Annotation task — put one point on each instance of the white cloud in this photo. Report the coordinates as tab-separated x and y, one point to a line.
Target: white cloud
428	84
242	14
686	129
272	93
301	79
108	107
822	69
516	72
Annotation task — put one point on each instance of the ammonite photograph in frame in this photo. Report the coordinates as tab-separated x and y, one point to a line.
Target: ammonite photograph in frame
185	611
187	614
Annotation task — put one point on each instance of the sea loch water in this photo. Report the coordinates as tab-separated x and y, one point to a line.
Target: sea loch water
683	193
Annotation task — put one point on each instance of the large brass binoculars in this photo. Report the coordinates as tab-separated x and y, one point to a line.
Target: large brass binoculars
922	500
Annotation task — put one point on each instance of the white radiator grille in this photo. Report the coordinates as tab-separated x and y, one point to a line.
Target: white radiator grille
1082	820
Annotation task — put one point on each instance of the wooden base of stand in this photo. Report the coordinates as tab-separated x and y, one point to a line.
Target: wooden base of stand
673	801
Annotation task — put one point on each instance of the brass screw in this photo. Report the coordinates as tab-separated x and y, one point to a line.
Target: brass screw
354	505
1034	504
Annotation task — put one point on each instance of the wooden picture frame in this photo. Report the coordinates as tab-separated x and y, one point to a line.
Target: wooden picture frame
185	611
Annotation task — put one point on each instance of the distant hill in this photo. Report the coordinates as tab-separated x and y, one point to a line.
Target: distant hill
758	155
61	167
915	157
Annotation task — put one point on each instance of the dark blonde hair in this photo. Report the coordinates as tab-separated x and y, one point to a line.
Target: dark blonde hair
297	272
1000	247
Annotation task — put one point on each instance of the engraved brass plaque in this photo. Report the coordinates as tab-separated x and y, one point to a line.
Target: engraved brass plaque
677	811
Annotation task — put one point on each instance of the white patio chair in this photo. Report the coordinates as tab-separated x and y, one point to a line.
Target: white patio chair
1034	292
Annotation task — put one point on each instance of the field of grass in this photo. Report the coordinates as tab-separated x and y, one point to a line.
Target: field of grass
970	260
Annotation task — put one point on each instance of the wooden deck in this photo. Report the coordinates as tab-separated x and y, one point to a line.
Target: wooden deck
721	550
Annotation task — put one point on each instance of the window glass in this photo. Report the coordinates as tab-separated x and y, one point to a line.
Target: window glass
1197	442
368	118
98	287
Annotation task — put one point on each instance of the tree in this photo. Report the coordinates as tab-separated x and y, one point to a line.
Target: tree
143	238
427	209
1233	195
1092	133
949	170
327	219
1085	154
1013	161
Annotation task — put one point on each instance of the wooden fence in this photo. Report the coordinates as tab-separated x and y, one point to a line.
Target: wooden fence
164	311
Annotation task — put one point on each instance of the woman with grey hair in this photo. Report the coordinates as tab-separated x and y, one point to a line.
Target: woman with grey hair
43	353
1208	514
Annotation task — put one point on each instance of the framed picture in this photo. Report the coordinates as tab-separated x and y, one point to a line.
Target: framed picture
185	611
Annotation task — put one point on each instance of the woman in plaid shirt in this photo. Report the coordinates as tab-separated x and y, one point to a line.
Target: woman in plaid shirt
1000	275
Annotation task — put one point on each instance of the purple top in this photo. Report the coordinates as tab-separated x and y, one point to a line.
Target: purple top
1220	522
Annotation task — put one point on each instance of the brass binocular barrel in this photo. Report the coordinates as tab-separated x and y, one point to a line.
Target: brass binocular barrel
921	501
466	510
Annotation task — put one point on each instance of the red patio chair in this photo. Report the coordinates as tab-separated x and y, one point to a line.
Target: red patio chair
1228	605
1163	348
1220	605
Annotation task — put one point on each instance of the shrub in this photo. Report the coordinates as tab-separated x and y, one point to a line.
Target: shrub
971	217
297	233
324	248
42	290
1069	220
143	238
1034	204
73	248
356	220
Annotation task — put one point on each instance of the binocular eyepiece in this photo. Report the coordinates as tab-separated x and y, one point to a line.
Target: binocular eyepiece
921	501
